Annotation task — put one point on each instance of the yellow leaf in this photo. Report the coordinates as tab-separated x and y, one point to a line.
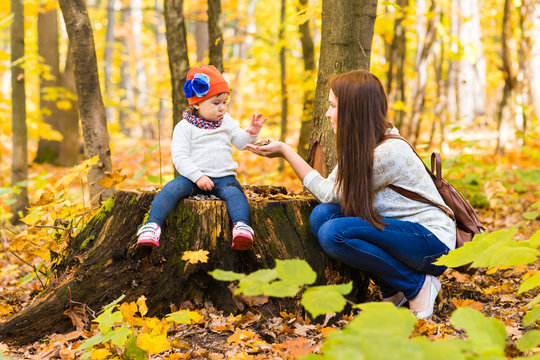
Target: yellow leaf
100	354
240	335
195	256
78	171
141	301
112	179
153	344
33	217
64	104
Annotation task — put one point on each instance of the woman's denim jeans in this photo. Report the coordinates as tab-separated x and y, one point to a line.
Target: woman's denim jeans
226	188
397	258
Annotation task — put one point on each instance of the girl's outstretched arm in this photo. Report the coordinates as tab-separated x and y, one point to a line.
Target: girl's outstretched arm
280	149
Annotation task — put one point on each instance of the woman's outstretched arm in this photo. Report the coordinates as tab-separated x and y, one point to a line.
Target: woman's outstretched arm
280	149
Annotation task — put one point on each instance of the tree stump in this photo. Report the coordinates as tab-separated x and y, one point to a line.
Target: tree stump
104	262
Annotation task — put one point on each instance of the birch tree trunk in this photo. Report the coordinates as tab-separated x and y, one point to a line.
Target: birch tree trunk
175	32
347	32
160	40
531	40
215	35
91	108
19	165
426	32
308	55
127	97
471	73
108	59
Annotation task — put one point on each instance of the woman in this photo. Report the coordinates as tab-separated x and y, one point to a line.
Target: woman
361	221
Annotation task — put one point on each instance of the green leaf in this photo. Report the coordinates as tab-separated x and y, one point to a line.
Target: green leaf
534	357
91	342
534	301
325	299
118	336
139	173
487	336
531	316
535	240
506	255
254	283
133	352
281	288
27	278
529	340
531	215
153	178
529	283
312	357
223	275
107	319
380	331
451	349
152	148
295	271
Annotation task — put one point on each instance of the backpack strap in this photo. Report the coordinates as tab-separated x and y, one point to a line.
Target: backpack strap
435	173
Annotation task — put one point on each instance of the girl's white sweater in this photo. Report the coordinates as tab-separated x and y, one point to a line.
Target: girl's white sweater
395	163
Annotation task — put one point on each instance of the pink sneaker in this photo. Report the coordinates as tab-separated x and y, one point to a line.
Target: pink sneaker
148	235
242	236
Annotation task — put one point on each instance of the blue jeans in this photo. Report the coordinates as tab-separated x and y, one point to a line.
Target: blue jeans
396	258
226	188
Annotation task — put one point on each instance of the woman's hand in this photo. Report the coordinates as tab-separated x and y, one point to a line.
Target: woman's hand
204	183
256	124
272	150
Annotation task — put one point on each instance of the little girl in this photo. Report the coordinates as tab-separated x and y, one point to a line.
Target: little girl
202	153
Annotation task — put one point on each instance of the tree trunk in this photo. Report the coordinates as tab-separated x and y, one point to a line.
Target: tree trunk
504	111
283	79
175	32
91	108
104	262
127	97
108	60
68	119
308	55
530	10
48	150
215	35
160	39
396	63
426	32
19	165
347	31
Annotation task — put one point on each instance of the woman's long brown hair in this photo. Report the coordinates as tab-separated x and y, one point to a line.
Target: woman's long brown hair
361	125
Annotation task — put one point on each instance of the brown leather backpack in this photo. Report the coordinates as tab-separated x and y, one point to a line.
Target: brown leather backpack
464	215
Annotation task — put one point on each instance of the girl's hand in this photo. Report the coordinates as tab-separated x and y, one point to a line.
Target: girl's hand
274	149
256	124
204	183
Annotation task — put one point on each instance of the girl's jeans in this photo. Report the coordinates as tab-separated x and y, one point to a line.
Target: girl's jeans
397	258
226	188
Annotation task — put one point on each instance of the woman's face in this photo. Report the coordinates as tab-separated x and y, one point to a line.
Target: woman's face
331	113
214	108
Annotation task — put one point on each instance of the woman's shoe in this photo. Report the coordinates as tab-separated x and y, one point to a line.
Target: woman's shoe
435	288
398	299
242	236
148	235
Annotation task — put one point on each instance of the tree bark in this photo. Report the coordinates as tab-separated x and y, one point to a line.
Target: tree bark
48	150
175	32
396	64
91	108
504	111
308	55
215	35
347	32
283	79
104	262
530	13
19	165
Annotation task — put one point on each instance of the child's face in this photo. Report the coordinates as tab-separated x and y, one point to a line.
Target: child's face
214	108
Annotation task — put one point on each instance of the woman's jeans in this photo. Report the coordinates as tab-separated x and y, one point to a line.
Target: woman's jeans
226	188
397	258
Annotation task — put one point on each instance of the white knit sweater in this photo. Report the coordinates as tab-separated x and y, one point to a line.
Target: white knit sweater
395	163
197	152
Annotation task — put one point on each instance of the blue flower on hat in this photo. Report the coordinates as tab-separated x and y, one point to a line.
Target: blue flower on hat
199	86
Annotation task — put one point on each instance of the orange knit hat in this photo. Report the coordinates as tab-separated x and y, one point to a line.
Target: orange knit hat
204	82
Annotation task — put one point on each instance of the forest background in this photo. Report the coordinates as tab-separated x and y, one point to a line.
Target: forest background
463	77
